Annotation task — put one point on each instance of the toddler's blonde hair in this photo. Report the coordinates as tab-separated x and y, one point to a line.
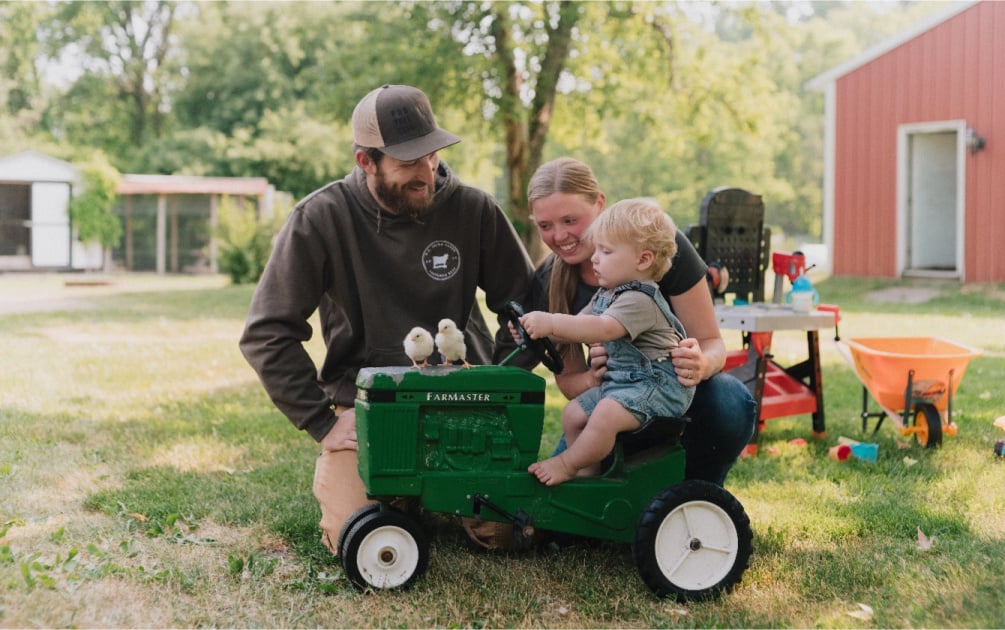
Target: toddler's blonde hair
642	223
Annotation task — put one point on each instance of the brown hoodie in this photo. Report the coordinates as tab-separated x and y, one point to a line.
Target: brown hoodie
373	276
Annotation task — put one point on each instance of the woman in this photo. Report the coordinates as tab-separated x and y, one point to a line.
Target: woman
564	199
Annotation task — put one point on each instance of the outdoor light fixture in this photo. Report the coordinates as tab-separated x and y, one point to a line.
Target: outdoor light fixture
974	141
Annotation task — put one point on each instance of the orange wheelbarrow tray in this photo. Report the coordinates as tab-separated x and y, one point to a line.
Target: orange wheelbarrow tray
914	380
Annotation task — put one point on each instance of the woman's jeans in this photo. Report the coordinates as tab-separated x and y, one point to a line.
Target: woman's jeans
722	421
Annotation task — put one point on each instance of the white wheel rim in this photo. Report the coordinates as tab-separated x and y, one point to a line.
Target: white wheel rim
696	545
387	557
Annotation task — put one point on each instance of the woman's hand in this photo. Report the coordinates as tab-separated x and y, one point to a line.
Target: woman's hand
598	363
689	362
704	351
517	337
580	373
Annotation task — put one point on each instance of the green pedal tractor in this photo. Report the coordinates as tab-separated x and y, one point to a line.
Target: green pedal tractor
459	441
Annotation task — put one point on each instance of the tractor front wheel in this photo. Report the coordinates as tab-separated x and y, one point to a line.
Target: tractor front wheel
693	541
355	517
385	549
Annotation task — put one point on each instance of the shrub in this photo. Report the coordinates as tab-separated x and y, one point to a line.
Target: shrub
244	241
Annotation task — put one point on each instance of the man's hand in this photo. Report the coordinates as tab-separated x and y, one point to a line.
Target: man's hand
342	436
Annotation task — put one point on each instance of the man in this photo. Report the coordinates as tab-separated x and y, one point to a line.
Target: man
399	242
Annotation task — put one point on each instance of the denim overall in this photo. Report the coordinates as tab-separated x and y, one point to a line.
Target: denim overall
648	389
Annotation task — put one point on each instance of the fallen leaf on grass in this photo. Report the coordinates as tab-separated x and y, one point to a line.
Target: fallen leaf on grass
902	444
864	612
139	517
1000	422
909	462
924	542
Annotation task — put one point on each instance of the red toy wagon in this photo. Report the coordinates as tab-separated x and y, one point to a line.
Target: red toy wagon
914	380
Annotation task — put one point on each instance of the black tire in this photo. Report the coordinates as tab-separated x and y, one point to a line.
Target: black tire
693	542
385	550
928	421
355	517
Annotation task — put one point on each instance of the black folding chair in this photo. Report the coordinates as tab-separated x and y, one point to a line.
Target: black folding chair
731	235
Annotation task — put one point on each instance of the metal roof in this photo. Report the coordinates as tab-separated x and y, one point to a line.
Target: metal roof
31	166
191	185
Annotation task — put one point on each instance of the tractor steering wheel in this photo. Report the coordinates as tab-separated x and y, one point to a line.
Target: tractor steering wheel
543	349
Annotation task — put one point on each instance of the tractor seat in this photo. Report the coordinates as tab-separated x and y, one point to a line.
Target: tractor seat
659	432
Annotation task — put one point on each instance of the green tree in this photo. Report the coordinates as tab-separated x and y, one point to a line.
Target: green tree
21	96
667	99
245	59
20	85
668	109
123	49
259	100
519	53
527	98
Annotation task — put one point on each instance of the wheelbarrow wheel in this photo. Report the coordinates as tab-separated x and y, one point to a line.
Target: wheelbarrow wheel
693	542
385	550
927	425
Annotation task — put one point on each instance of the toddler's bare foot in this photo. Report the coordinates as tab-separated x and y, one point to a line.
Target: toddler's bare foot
552	471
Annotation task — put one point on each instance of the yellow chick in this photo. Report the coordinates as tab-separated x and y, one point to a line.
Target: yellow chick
450	341
418	346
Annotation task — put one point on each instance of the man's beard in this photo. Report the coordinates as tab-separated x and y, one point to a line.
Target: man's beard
399	200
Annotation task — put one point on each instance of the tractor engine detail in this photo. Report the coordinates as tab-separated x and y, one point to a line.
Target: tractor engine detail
470	439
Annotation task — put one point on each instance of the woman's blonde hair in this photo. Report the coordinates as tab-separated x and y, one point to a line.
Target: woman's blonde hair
642	223
572	177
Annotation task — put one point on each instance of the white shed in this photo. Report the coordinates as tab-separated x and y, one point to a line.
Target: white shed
35	230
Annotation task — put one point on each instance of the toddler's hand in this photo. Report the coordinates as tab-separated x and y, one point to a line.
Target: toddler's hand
537	324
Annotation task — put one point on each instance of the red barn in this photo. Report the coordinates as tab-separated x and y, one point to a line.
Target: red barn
914	157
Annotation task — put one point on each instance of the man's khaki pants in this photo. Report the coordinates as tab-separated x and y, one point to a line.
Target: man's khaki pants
339	491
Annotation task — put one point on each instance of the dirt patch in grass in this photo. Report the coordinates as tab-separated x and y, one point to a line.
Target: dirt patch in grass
50	292
902	295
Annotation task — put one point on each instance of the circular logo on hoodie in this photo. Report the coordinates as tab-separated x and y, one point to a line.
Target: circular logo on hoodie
441	260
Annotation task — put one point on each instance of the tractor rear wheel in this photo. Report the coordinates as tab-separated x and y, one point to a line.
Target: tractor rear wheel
693	541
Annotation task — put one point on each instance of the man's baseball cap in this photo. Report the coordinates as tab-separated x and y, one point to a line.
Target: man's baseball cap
398	120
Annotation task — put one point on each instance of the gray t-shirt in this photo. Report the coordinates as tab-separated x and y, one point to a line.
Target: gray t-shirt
647	328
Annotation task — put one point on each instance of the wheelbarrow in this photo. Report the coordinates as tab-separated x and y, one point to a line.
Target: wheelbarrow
913	379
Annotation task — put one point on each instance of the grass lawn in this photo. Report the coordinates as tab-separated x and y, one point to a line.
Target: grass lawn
147	481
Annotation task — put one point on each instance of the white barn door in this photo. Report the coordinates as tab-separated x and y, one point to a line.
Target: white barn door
931	200
50	224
